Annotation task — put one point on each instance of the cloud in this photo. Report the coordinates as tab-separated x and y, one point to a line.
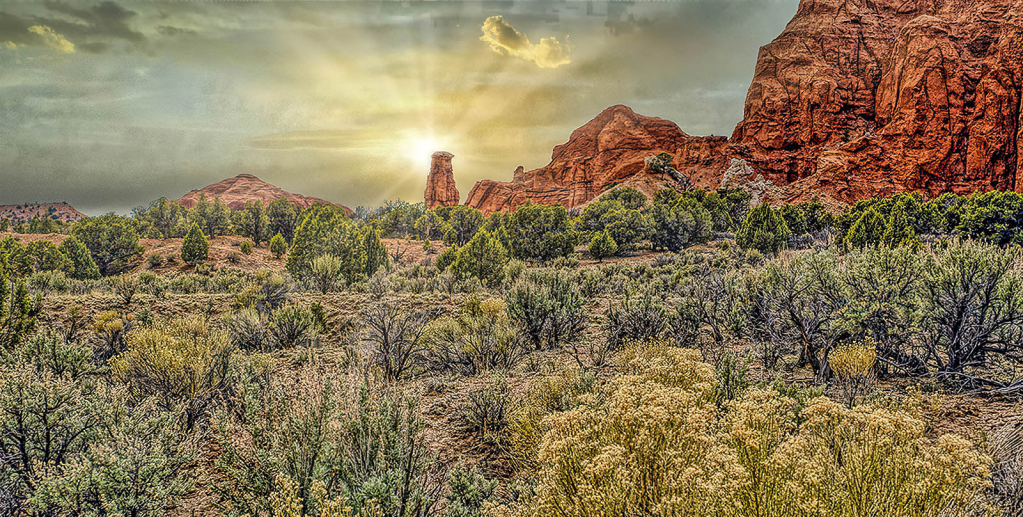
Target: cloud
53	39
505	40
70	28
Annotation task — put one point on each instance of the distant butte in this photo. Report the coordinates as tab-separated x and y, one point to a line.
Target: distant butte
237	191
855	98
440	184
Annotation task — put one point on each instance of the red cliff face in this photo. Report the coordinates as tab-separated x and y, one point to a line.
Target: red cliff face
606	151
440	184
236	191
864	97
855	98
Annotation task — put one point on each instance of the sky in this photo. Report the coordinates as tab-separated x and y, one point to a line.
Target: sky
110	105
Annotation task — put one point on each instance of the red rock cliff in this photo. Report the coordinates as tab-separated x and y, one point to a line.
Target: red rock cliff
863	97
440	184
855	98
606	151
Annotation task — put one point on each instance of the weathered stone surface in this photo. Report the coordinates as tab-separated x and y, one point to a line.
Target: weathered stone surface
607	151
860	97
440	184
236	191
855	98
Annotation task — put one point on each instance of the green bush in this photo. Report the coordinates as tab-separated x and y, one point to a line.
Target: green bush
477	338
278	246
327	230
482	257
602	245
363	449
246	247
763	230
867	230
678	222
291	326
182	364
548	307
111	240
195	249
18	312
540	232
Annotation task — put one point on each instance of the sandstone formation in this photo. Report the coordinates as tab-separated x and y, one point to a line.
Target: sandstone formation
236	191
440	184
864	97
607	151
855	98
57	211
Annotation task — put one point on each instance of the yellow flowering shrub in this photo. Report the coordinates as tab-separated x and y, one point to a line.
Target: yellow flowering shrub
655	443
853	365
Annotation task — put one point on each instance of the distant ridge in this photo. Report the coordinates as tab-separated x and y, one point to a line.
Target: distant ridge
240	189
57	211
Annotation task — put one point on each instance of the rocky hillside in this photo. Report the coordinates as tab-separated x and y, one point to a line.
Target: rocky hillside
242	188
855	98
57	211
606	151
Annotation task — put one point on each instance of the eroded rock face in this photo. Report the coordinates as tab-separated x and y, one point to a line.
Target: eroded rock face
236	191
607	151
873	97
440	184
856	98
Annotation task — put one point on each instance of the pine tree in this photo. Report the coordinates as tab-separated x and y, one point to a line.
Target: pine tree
898	232
764	230
195	248
277	246
867	230
602	246
482	257
82	266
376	253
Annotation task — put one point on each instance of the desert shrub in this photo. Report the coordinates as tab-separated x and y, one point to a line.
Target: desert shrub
278	246
1005	445
482	257
18	311
48	281
469	492
156	260
110	328
376	253
484	412
246	247
325	272
602	245
540	232
548	306
394	335
233	257
291	326
195	248
561	391
763	230
479	337
656	444
125	287
71	447
366	448
52	352
182	364
794	218
253	222
81	266
111	240
247	330
853	365
634	320
973	299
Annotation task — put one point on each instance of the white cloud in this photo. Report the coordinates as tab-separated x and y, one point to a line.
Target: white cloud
504	39
53	39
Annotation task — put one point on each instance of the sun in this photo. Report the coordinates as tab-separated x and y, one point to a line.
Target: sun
421	147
